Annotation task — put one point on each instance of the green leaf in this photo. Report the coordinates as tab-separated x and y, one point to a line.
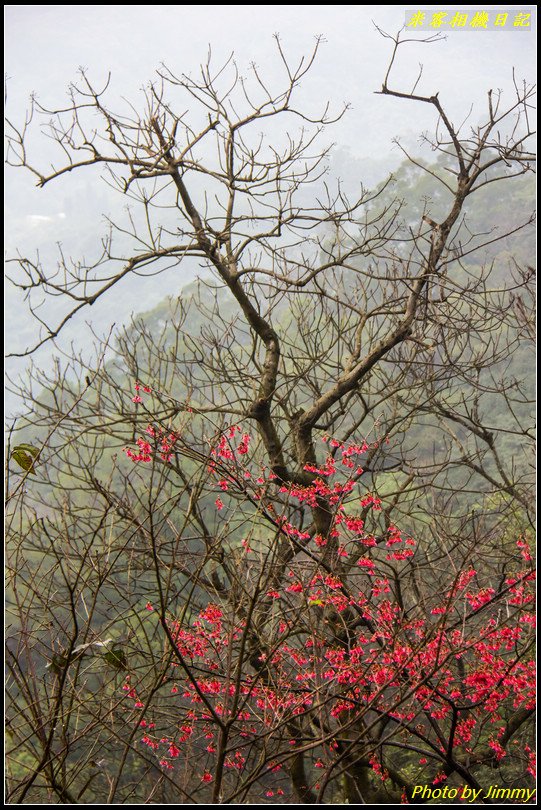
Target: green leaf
24	455
28	447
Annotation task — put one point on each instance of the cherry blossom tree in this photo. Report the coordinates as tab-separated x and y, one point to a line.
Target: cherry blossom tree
280	551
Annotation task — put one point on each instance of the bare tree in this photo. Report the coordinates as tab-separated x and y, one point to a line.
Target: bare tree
325	317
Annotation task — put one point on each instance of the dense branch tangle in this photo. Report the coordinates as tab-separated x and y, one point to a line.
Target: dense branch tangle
349	319
239	211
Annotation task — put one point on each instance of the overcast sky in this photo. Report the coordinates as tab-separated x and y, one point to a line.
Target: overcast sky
46	44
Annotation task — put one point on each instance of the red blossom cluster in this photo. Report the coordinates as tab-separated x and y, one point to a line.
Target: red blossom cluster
137	398
425	669
383	669
161	442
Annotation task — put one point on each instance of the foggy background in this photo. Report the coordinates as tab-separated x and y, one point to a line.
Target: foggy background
46	45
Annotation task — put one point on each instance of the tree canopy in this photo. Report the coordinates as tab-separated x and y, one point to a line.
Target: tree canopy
275	541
